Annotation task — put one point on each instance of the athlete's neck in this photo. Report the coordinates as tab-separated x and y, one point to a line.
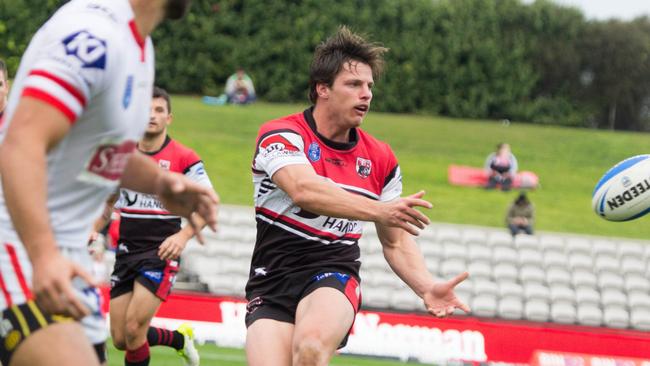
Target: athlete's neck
148	14
330	126
152	143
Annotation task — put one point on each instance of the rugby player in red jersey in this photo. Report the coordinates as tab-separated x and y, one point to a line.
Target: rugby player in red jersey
317	176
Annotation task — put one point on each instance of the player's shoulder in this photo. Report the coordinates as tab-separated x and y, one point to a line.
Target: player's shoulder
291	123
95	19
374	144
182	152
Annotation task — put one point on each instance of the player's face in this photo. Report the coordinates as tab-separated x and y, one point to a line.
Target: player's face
350	95
4	90
159	118
176	9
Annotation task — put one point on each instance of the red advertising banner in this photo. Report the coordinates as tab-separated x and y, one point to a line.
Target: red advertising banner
549	358
422	337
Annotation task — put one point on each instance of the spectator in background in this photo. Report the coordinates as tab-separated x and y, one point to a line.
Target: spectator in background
239	88
4	86
521	215
501	167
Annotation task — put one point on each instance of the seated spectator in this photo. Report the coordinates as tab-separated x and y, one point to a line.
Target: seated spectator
501	167
521	216
239	88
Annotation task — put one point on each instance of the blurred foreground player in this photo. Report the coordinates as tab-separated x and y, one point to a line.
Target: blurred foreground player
317	175
79	104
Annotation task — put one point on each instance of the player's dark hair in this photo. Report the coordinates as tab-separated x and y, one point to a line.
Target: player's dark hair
341	48
159	92
3	68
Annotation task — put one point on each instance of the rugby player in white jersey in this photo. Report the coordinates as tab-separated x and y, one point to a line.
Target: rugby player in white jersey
317	175
79	103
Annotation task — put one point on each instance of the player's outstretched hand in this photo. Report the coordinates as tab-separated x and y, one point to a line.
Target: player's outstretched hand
402	213
52	286
172	247
183	197
441	301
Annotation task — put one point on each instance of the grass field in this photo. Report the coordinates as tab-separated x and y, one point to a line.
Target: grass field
212	355
568	161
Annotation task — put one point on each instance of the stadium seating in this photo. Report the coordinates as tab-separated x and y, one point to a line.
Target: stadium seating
562	278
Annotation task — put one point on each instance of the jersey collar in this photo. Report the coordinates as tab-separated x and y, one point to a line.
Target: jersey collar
354	135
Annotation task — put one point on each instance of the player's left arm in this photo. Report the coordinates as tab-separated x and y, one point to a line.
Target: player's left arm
179	194
406	260
172	247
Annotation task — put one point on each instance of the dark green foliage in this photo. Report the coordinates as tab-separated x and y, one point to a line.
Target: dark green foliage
541	63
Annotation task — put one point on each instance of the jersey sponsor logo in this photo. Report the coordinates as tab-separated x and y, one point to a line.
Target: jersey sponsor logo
254	305
341	225
364	167
90	50
314	152
277	145
5	327
155	276
336	161
109	160
127	198
128	92
165	164
260	271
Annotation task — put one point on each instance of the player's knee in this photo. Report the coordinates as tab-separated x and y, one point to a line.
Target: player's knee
310	351
135	330
119	343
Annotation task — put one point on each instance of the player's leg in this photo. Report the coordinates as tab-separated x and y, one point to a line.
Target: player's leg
268	343
55	345
323	319
139	312
118	306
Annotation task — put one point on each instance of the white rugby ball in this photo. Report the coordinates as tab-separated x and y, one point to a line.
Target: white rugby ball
623	193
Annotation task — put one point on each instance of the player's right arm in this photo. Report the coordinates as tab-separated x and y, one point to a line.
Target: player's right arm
281	156
35	128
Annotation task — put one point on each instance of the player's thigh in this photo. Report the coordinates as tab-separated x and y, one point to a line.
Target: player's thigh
143	305
324	316
58	344
268	343
117	310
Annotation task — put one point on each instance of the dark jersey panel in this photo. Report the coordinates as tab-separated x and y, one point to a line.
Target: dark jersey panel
138	240
278	251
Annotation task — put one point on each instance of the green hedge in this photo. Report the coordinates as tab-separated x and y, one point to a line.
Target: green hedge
540	63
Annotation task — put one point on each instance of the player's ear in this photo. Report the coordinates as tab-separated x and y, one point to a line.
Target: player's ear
323	90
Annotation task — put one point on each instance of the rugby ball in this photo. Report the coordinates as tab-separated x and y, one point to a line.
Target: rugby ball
623	193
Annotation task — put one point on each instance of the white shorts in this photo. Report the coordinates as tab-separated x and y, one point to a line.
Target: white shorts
16	283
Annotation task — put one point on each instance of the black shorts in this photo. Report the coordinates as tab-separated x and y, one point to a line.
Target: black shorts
280	301
157	275
18	322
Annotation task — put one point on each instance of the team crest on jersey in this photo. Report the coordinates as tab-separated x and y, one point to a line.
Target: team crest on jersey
165	164
128	92
314	152
364	167
88	49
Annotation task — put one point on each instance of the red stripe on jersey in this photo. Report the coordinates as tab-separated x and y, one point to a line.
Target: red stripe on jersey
49	99
146	212
166	282
64	84
5	291
138	38
307	227
19	271
353	293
